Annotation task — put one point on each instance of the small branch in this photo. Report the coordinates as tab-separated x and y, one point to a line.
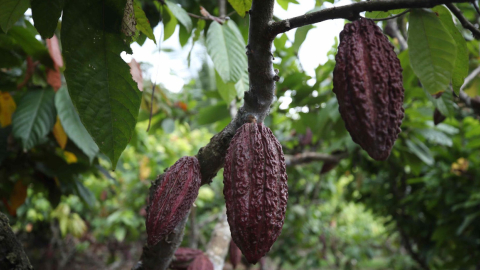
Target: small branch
352	12
475	5
211	18
465	23
392	17
308	157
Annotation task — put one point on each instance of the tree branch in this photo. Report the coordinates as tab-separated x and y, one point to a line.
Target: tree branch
217	248
465	23
352	12
308	157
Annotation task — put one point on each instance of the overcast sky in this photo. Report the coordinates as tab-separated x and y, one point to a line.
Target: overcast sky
171	68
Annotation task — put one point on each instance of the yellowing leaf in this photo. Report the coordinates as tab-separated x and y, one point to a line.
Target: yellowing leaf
18	196
460	166
145	169
60	134
7	107
70	157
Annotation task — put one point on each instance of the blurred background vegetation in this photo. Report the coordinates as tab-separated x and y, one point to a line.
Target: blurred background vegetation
420	209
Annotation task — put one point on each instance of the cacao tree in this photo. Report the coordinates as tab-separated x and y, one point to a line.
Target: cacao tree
69	103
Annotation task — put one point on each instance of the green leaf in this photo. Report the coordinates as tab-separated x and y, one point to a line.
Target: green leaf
435	136
420	150
45	16
300	36
34	117
196	36
227	90
180	14
460	71
241	6
11	11
432	51
99	81
227	51
72	125
467	221
26	39
169	23
382	14
84	193
142	22
212	114
242	85
284	3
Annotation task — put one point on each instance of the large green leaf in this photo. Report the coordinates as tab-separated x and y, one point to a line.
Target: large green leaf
212	114
99	81
460	70
420	150
169	23
72	125
45	16
180	14
241	6
11	11
227	50
227	90
26	39
34	117
142	22
432	50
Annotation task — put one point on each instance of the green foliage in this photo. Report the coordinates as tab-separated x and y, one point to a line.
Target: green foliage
11	11
100	83
45	15
142	22
34	118
432	50
241	6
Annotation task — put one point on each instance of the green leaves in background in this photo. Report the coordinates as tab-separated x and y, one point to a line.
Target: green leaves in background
227	90
142	22
300	36
382	14
460	70
432	51
180	14
34	117
212	114
72	125
169	23
418	148
11	11
226	47
241	6
33	47
284	3
45	16
99	81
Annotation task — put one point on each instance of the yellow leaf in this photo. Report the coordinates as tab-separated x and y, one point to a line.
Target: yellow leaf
7	107
70	157
145	169
60	134
18	196
460	167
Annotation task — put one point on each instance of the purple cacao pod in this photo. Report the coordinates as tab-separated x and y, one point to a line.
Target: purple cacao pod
173	198
235	254
184	257
367	81
255	189
202	262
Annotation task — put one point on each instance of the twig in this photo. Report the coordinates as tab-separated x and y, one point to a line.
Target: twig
475	5
220	21
392	17
308	157
465	23
352	12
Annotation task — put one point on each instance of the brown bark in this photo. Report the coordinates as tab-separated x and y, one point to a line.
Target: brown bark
12	255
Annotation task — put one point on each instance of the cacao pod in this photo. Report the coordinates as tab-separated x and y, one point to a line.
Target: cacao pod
255	189
173	198
367	81
183	257
235	254
202	262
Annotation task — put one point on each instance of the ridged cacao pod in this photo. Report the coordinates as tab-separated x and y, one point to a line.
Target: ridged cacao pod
173	198
367	81
235	254
255	189
202	262
184	257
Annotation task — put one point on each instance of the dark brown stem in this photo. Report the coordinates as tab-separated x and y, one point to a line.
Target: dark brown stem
12	255
475	5
352	12
465	23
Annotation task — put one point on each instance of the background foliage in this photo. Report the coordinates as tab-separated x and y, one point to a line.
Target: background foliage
417	210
